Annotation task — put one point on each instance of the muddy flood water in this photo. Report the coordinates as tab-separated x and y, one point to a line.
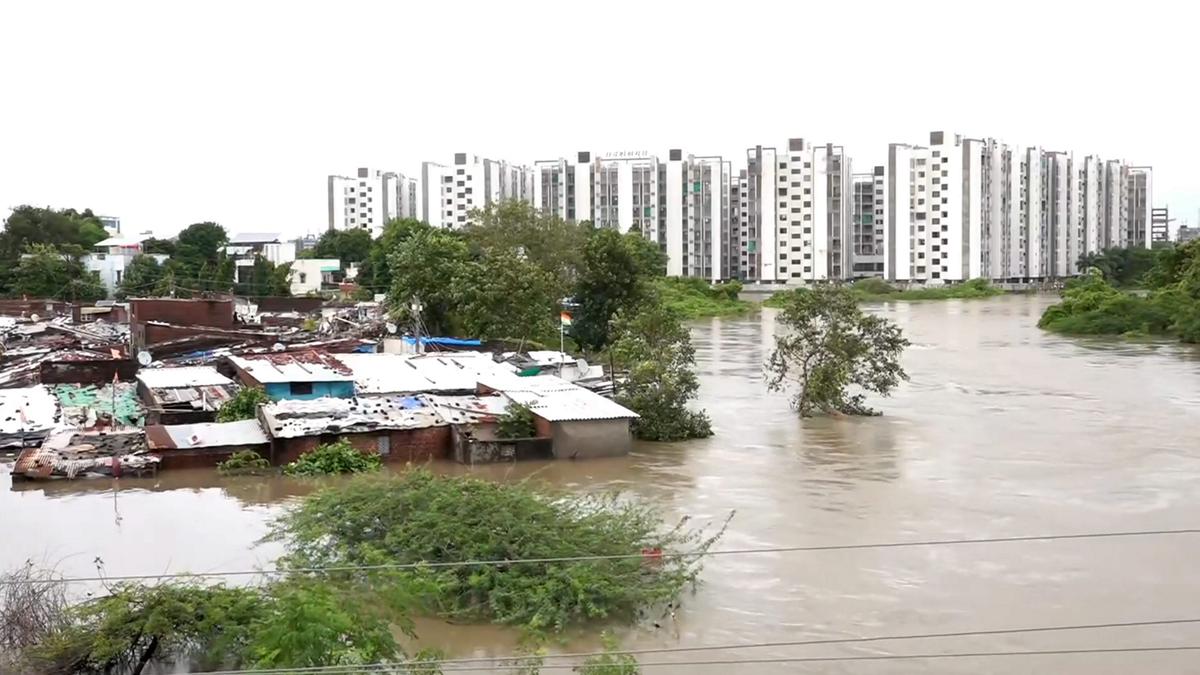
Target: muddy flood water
1002	431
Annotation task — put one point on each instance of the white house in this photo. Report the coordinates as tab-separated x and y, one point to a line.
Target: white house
110	257
309	273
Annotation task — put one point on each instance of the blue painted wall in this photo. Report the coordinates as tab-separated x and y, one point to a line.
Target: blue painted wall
278	391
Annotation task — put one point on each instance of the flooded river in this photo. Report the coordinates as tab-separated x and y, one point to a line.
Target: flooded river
1002	431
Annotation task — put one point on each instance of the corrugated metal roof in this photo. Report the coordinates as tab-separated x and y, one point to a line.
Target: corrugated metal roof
314	417
206	435
416	373
293	367
468	409
27	410
557	400
189	376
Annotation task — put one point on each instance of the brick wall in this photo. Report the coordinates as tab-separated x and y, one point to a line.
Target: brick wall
198	312
412	445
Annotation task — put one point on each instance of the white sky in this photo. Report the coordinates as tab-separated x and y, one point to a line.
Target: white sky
166	114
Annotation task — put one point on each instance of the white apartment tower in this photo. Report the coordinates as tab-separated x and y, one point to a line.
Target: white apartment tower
963	208
564	188
796	214
696	215
451	193
626	193
370	199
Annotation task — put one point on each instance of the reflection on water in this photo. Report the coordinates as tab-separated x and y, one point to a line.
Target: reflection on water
1002	430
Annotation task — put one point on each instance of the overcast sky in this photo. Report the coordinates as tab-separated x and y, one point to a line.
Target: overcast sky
166	114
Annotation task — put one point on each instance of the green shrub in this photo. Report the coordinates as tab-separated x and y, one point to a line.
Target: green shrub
693	298
421	517
244	463
333	458
243	405
516	422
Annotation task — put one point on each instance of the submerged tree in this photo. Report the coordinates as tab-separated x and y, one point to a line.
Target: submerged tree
243	405
826	345
656	350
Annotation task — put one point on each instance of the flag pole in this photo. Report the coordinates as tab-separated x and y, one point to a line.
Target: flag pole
562	340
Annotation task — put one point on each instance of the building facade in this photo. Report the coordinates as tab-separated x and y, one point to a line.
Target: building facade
451	193
950	210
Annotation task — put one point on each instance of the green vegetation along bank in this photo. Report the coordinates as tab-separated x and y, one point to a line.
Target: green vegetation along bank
693	298
873	290
1169	307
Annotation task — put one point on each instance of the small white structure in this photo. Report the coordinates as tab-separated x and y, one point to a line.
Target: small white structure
110	257
308	274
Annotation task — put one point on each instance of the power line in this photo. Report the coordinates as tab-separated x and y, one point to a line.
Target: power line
725	647
625	556
373	668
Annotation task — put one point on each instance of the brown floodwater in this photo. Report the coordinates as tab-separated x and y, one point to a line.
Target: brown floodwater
1003	430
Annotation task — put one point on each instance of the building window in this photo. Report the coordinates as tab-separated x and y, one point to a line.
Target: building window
301	388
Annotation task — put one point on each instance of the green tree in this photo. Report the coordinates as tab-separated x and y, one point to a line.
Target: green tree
375	273
517	228
653	346
612	661
163	246
28	225
825	344
613	276
48	272
142	277
505	296
267	278
348	246
425	266
1121	266
243	405
198	248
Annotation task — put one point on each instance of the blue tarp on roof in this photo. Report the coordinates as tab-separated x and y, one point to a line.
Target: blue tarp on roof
444	341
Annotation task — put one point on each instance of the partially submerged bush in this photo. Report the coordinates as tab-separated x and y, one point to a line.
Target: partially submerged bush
516	422
333	458
243	405
244	463
419	517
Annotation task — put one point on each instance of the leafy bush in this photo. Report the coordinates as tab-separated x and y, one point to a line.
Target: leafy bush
612	661
420	517
333	458
516	422
243	405
693	298
873	286
1092	306
295	623
244	463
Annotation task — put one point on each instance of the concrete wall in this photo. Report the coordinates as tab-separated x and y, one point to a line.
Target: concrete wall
584	439
411	445
278	391
278	304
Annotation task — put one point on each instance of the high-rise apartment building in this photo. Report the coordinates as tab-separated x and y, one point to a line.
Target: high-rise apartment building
564	187
866	224
954	209
982	208
451	193
370	199
796	214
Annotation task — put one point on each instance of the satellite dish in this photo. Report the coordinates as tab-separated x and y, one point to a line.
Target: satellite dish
144	358
391	328
278	347
34	317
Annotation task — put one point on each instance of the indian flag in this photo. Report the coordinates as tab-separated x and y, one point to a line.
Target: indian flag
566	319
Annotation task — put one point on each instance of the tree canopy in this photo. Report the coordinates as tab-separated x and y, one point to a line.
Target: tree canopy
613	276
142	277
506	296
348	246
424	267
1120	266
28	225
825	346
48	272
654	348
